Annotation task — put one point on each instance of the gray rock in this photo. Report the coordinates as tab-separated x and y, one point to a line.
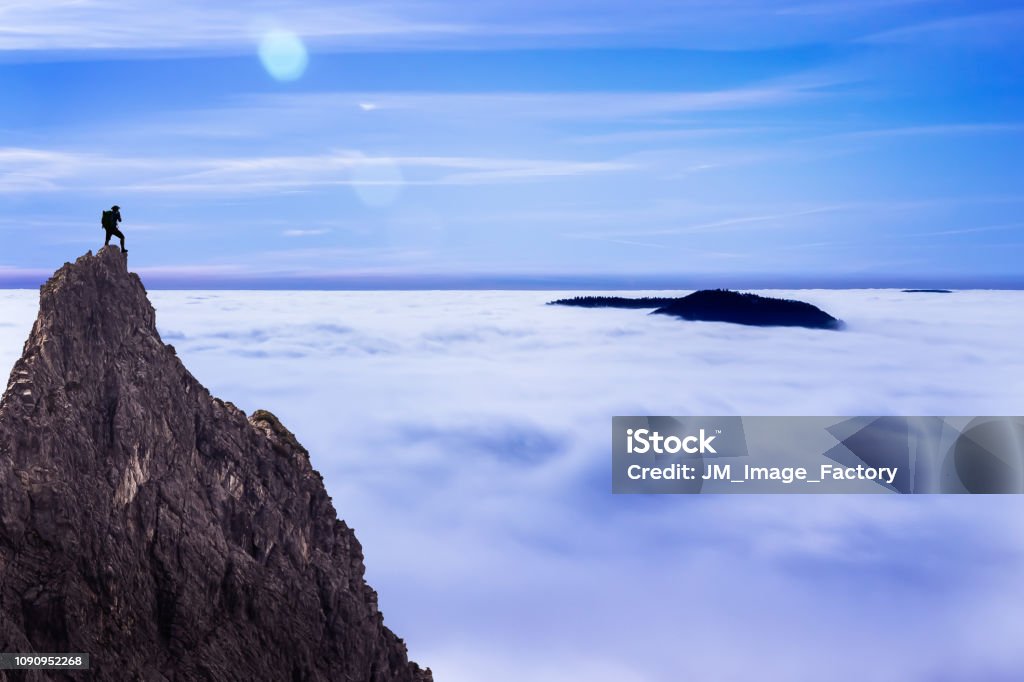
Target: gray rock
155	527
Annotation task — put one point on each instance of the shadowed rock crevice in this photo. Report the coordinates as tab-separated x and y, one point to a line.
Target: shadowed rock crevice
159	529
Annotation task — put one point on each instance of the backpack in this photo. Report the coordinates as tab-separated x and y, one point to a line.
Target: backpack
108	220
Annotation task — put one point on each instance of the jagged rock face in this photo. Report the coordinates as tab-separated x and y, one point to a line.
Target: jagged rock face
155	527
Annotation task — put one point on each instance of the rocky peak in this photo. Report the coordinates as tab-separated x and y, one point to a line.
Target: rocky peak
156	527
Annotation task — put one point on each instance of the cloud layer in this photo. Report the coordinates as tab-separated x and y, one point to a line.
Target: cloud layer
464	436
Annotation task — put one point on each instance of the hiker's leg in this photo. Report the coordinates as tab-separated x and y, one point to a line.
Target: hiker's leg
120	235
107	241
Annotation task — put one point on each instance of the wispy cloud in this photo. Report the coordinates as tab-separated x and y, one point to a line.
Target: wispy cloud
357	170
980	29
968	230
934	130
191	270
627	242
662	135
305	233
148	25
584	105
843	7
32	170
739	222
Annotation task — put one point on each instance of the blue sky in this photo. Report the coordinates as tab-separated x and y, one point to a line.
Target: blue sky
529	143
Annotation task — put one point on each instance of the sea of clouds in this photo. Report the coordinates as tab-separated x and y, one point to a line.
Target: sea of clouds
465	436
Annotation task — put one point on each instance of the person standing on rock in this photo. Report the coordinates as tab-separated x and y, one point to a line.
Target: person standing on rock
110	220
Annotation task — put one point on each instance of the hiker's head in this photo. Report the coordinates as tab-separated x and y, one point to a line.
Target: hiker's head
115	207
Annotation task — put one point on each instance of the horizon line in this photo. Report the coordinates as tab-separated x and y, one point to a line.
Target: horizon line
543	282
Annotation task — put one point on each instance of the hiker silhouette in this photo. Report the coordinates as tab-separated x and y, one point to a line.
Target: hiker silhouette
110	220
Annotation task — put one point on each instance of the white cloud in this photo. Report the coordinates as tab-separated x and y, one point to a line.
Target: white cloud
464	436
305	233
840	7
553	106
934	130
191	24
34	170
150	26
39	170
190	270
982	29
743	222
661	135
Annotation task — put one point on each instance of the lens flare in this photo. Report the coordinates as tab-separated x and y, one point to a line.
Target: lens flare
283	55
377	181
